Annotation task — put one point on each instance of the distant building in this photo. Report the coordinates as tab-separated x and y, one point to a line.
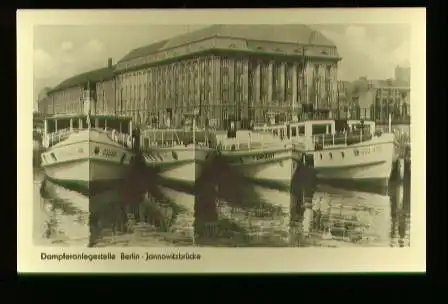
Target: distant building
344	98
376	99
403	74
71	95
42	101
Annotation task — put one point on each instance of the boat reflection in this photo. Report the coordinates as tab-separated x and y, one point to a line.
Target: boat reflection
226	211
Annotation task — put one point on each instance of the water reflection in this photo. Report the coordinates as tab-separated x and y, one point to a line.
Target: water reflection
225	211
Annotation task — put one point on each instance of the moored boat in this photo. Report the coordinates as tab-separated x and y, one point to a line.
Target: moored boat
178	155
87	154
259	156
345	152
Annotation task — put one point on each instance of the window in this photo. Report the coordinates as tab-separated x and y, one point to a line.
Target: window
331	155
342	154
53	156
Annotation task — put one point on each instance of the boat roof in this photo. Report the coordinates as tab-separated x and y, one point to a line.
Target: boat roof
69	116
318	121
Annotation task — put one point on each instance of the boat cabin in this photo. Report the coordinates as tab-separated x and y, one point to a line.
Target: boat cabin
59	127
324	132
169	137
70	123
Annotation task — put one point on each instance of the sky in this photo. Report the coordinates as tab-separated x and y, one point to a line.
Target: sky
367	50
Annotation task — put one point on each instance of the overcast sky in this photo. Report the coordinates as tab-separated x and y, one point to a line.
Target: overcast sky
63	51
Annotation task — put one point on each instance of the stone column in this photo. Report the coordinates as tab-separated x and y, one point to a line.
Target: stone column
334	83
270	84
257	91
245	88
309	83
282	97
294	83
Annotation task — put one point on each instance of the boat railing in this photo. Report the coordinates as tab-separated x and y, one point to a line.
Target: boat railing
253	141
165	138
120	138
322	141
51	139
160	137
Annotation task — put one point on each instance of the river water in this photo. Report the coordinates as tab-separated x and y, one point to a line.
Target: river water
231	214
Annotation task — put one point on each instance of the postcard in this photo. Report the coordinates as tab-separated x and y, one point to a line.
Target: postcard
221	141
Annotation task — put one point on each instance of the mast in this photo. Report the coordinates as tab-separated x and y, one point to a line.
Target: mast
337	101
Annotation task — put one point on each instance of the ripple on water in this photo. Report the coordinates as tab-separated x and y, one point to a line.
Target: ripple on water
260	217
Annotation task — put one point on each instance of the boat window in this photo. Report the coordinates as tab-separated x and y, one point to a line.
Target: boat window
53	156
331	155
342	154
366	129
75	123
293	131
356	152
302	130
320	154
319	129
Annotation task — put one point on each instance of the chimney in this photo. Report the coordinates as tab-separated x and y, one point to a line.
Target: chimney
109	62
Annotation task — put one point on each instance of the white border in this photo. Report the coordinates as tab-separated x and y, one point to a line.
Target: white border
226	260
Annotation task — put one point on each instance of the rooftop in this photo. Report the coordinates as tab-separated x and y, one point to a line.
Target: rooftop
281	33
80	79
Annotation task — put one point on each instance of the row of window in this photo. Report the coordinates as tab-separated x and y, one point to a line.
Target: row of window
356	152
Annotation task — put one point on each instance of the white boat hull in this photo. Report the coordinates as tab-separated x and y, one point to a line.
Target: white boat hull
87	162
272	168
179	165
368	162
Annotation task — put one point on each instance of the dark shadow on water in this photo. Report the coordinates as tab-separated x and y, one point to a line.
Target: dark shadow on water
138	201
400	210
225	201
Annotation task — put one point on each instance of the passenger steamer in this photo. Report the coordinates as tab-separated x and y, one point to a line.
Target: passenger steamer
178	155
260	156
343	151
86	153
86	158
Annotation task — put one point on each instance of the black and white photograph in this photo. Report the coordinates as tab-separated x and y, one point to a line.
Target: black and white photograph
222	135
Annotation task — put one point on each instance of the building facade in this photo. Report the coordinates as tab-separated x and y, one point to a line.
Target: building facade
376	99
242	72
344	98
403	74
70	95
42	101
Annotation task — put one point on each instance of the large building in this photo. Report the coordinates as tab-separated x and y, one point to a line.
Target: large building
376	99
69	95
42	102
222	71
344	98
403	74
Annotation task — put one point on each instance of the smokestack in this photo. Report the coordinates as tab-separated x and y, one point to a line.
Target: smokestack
109	62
